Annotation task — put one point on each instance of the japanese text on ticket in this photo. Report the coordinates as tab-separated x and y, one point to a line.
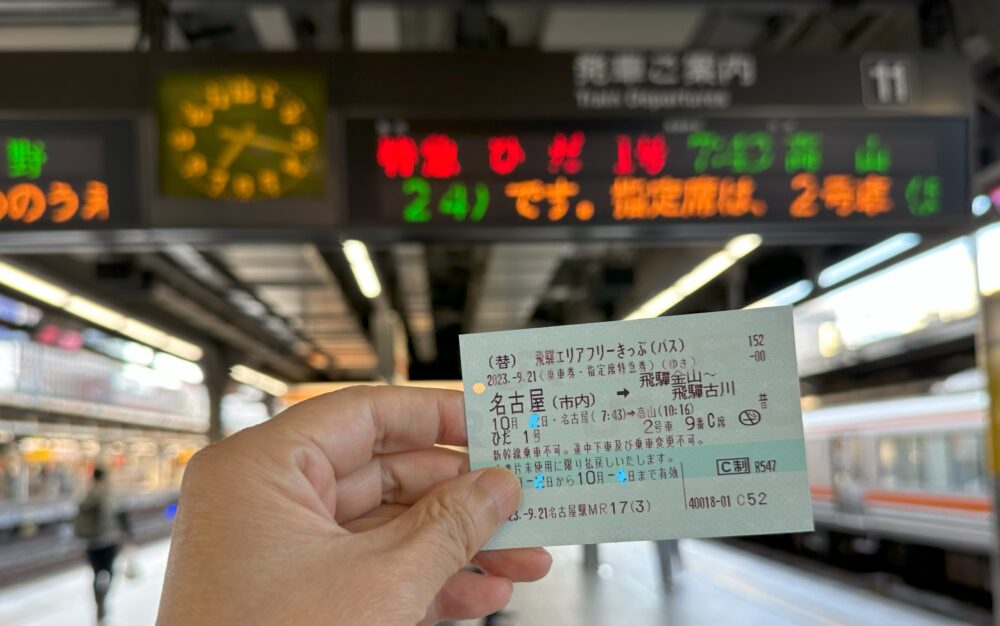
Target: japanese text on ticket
686	426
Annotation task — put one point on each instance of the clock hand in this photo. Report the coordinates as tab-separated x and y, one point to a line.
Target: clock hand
229	154
272	144
236	134
238	140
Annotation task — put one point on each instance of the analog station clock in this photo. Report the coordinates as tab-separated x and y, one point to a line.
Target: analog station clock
242	137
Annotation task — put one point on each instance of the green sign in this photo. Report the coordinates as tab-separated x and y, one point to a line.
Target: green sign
25	157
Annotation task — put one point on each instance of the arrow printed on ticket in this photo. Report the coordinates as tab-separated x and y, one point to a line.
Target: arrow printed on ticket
684	426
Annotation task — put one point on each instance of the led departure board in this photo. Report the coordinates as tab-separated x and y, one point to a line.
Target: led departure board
887	172
68	175
595	143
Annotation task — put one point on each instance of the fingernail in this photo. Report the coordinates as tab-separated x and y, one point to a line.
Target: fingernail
503	487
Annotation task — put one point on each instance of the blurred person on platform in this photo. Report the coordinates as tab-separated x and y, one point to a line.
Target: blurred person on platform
104	528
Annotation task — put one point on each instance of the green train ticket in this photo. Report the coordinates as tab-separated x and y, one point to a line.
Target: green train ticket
685	426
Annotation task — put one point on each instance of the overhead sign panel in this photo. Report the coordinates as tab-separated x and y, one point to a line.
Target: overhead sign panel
605	143
68	175
803	172
697	137
615	84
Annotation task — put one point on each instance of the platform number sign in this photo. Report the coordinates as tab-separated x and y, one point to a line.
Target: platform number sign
886	81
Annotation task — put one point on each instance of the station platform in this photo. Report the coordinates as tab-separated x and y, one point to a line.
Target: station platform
67	598
717	584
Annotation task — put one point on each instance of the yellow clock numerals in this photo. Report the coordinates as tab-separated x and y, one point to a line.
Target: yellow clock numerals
268	183
196	116
181	139
243	186
268	94
216	96
242	90
304	139
194	166
243	138
292	166
290	112
217	180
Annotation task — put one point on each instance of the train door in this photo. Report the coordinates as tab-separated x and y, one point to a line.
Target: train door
848	484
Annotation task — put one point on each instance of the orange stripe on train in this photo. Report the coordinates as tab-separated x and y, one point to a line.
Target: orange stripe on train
820	492
931	501
900	498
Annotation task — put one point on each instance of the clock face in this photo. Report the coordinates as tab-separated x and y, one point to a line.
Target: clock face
241	137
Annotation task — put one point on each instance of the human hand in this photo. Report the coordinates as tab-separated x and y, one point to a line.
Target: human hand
342	511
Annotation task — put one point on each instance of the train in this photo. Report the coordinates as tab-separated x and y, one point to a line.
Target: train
45	469
904	482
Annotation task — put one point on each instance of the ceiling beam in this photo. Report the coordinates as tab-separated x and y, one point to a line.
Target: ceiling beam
272	27
78	37
614	25
377	27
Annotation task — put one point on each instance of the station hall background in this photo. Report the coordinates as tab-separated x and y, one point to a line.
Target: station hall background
211	211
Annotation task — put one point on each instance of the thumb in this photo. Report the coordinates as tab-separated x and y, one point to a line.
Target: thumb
443	531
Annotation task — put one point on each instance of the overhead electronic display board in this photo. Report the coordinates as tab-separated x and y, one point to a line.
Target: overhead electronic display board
606	144
68	175
885	173
795	143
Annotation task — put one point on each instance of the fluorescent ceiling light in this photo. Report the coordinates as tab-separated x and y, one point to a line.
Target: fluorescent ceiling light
97	314
32	286
144	333
361	264
868	258
789	295
94	313
743	245
701	275
183	349
258	380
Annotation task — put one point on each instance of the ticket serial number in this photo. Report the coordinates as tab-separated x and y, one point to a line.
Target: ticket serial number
748	498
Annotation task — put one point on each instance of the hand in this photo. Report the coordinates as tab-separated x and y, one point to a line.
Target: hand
342	511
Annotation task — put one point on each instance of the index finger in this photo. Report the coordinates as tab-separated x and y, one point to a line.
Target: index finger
352	425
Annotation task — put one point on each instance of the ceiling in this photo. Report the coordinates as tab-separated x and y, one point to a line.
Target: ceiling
296	311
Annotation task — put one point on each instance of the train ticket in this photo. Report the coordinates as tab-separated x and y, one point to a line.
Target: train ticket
685	426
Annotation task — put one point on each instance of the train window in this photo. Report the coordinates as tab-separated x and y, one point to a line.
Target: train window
938	462
935	470
966	458
846	460
899	460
